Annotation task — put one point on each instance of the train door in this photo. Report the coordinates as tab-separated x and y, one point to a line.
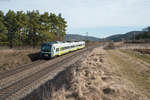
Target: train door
53	51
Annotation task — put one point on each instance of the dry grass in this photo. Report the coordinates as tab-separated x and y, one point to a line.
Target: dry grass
93	43
134	53
10	58
133	69
110	45
94	79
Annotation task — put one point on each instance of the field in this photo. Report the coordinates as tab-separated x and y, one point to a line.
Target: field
102	75
11	58
133	66
143	54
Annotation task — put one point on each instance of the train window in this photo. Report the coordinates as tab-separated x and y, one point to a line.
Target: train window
63	48
57	49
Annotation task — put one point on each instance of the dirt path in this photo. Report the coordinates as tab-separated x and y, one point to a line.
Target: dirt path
132	69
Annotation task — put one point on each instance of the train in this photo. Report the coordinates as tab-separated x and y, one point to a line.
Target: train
53	49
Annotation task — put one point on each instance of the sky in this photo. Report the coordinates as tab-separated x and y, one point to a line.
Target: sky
100	18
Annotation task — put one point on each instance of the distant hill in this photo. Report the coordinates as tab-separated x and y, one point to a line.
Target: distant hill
75	37
127	36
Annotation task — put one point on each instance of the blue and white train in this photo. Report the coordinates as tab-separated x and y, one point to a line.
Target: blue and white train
52	49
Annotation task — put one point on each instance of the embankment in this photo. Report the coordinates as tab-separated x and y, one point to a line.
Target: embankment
93	78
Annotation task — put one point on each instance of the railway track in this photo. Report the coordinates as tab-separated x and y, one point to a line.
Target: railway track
27	79
20	68
21	72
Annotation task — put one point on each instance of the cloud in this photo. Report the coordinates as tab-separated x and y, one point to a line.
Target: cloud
91	13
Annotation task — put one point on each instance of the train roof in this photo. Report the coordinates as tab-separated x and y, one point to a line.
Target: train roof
58	42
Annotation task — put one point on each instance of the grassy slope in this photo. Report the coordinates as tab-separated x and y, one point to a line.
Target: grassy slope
9	59
132	71
138	55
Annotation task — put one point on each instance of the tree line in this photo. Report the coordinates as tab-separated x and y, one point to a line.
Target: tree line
30	28
144	36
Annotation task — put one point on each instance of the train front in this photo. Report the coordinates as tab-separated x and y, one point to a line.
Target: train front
46	50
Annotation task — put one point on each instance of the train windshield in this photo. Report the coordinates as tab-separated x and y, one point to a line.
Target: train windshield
46	47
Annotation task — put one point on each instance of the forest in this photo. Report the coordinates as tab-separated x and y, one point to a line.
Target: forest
145	35
30	28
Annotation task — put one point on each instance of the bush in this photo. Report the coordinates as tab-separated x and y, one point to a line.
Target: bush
110	46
